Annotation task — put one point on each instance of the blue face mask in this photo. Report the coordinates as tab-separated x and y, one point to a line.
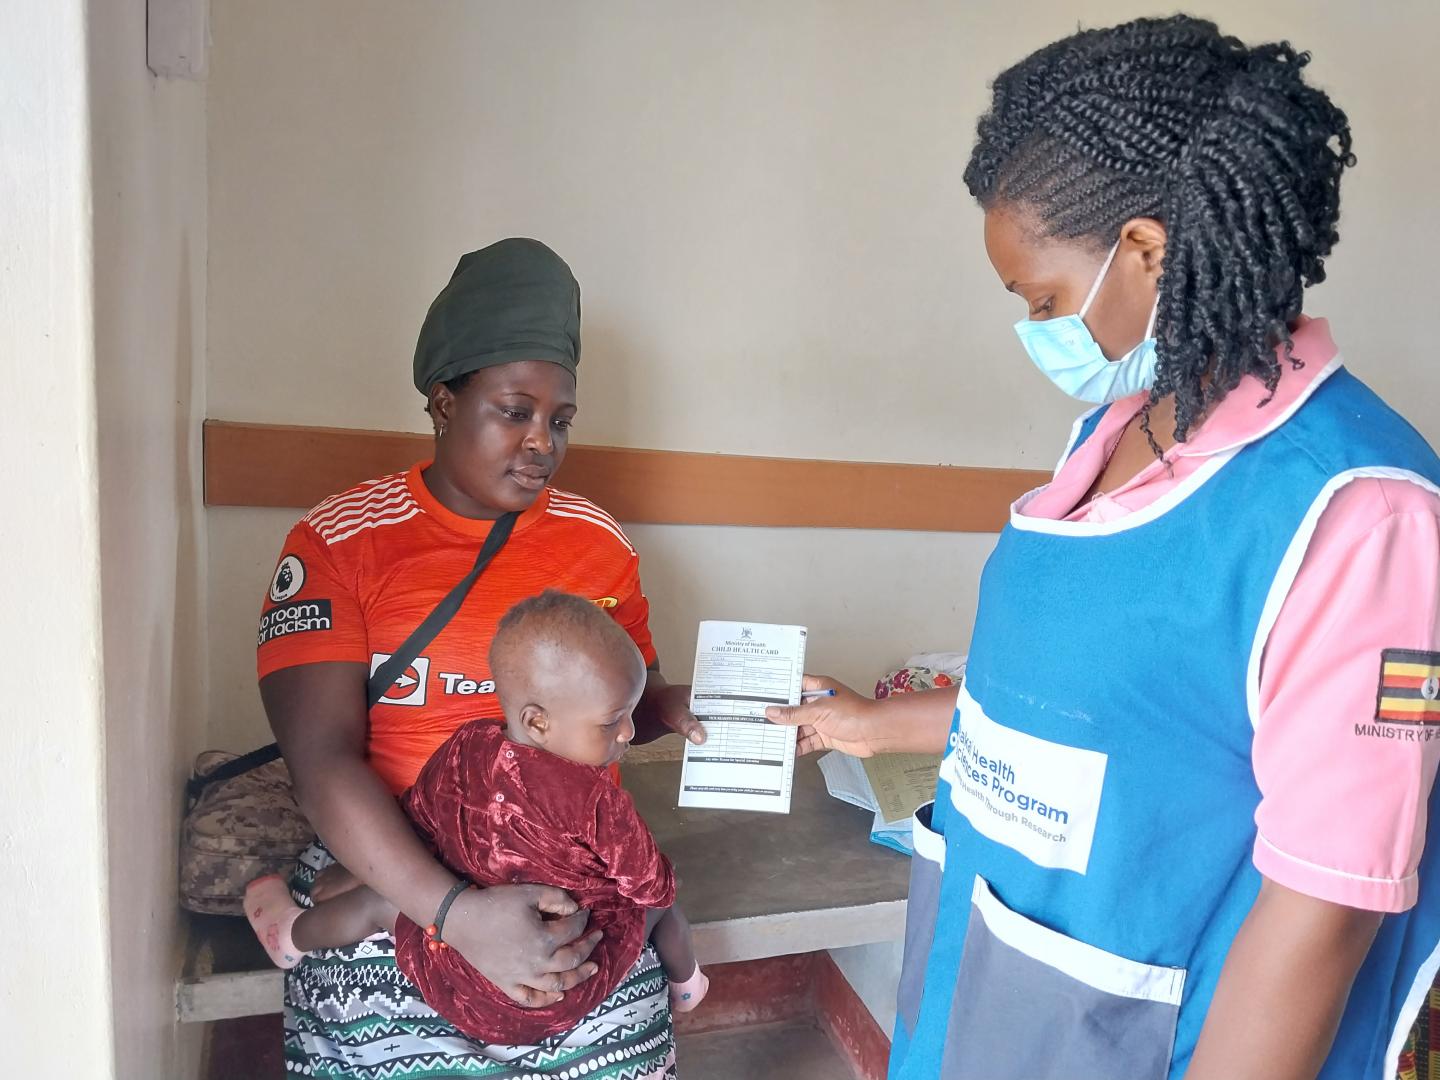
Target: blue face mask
1065	351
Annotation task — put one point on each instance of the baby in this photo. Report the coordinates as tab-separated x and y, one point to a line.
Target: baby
531	801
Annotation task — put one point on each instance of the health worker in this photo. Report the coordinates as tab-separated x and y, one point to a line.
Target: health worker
1180	827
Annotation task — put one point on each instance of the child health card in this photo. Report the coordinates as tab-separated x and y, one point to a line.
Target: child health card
747	763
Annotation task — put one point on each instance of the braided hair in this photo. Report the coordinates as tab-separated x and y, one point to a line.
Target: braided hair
1224	144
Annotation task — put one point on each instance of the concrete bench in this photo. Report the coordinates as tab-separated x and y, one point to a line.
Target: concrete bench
753	886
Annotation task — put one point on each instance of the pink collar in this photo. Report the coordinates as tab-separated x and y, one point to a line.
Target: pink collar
1244	416
1239	419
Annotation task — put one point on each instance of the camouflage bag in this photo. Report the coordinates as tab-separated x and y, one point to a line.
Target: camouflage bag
242	824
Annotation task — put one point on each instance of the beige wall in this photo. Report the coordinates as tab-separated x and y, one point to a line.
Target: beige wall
763	203
54	986
742	210
149	249
753	195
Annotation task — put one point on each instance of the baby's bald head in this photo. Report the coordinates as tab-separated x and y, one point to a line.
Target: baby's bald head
568	677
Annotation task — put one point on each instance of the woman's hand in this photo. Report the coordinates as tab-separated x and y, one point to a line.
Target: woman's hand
529	940
663	708
900	724
845	722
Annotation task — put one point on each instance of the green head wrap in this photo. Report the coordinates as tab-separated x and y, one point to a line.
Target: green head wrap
514	300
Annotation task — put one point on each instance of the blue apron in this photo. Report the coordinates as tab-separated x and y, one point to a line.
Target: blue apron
1087	860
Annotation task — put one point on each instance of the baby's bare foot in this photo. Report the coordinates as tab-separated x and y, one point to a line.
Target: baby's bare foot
686	995
272	913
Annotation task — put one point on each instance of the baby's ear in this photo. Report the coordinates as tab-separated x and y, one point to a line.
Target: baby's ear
535	723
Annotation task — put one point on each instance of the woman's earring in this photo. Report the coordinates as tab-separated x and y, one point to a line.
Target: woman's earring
440	431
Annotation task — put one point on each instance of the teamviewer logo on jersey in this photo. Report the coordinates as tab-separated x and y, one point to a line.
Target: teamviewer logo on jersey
409	686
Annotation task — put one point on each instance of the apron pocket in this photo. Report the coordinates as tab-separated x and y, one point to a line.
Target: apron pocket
926	865
1033	1004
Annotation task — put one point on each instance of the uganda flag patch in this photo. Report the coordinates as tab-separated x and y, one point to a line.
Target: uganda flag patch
1409	687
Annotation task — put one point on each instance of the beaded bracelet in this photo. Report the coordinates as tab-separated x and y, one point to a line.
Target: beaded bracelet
432	932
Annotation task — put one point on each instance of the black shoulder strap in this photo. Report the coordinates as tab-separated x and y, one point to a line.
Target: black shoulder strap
385	675
234	767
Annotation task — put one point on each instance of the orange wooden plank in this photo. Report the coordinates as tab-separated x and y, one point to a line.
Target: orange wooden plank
280	465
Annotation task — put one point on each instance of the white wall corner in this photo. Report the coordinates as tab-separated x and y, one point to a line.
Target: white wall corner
873	972
177	34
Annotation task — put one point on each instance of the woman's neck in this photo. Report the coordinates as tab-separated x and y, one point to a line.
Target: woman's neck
436	479
1132	452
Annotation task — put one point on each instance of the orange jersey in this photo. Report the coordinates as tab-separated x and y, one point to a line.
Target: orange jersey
361	570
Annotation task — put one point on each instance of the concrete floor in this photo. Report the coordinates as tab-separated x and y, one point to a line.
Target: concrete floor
791	1051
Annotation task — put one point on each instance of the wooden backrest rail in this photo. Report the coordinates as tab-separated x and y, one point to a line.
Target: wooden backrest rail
282	465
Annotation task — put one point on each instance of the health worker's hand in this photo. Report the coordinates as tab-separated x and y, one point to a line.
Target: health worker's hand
845	722
529	940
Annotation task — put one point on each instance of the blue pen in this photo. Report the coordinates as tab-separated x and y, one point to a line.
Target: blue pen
816	693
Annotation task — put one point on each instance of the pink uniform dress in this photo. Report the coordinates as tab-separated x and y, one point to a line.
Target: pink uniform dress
1343	813
501	813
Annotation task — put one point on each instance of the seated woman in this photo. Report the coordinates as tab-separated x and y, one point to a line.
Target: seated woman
496	359
532	801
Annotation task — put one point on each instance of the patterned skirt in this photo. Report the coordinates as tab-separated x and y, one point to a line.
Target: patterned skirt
1420	1060
350	1014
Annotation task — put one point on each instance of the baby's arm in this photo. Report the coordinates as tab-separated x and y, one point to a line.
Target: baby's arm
641	873
623	842
288	932
672	940
669	932
346	920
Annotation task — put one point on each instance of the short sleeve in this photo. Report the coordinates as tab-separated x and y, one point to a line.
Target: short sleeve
623	842
310	614
1344	789
632	611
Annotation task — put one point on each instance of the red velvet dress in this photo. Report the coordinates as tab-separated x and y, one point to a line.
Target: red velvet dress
500	813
